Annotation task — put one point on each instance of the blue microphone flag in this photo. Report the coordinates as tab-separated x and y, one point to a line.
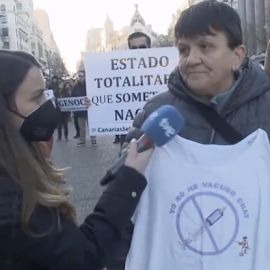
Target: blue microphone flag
162	125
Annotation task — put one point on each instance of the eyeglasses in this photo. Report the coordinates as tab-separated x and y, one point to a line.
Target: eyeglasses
138	47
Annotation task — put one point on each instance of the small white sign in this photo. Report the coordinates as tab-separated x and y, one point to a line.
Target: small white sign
72	104
69	104
49	94
119	83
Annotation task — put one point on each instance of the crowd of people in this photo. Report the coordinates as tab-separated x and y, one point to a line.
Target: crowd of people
71	88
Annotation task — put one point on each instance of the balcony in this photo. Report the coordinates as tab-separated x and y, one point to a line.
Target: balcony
23	12
21	24
5	39
5	32
6	45
38	32
23	29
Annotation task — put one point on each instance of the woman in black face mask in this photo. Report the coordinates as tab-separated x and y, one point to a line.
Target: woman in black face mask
37	221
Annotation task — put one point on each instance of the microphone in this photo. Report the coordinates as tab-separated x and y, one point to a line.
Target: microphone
158	129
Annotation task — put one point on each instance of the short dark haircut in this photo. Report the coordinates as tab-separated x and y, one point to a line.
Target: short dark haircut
139	35
199	19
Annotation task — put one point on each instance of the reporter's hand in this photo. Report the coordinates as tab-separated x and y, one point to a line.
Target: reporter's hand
124	149
135	160
87	102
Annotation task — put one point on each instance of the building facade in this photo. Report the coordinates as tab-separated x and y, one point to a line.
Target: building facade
117	40
55	65
184	5
51	50
80	63
20	31
108	39
15	28
255	21
93	39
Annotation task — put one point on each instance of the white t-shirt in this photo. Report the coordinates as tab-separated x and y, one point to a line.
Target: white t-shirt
206	207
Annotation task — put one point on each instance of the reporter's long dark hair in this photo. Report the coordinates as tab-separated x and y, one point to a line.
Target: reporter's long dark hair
28	164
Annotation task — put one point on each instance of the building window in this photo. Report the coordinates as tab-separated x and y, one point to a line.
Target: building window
5	32
6	45
3	8
19	6
40	50
3	19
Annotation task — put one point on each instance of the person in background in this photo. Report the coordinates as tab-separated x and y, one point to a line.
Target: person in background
54	84
75	115
47	83
63	92
79	90
68	86
137	40
38	227
73	82
47	87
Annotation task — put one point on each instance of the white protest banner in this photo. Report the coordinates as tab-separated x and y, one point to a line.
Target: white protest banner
72	104
119	83
49	94
69	104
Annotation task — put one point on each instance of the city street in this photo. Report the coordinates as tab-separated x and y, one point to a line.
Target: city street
87	166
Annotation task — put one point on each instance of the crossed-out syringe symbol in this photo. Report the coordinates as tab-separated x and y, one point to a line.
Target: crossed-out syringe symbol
209	221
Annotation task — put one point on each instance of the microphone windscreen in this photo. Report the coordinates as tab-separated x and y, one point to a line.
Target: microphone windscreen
162	125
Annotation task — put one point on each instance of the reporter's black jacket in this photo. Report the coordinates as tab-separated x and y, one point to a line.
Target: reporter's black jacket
72	248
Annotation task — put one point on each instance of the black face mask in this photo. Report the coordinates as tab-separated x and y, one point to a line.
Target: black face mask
40	125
